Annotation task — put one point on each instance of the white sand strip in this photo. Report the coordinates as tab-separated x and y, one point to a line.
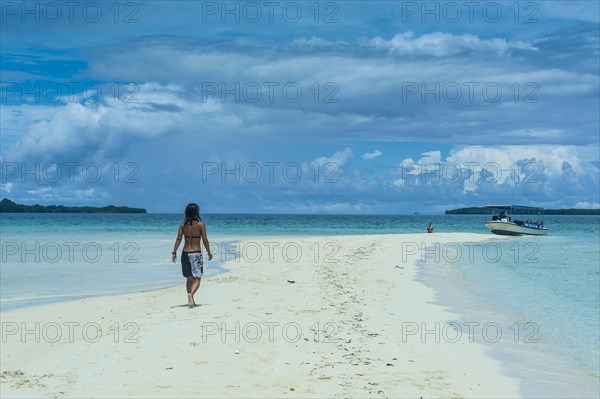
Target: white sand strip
342	328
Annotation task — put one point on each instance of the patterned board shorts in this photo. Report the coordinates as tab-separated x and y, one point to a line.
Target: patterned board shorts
192	264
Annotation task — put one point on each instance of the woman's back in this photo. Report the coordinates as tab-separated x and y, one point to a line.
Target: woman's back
193	235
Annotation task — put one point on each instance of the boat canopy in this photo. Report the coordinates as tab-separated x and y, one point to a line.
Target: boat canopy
515	207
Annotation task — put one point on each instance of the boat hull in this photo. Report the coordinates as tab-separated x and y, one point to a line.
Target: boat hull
513	229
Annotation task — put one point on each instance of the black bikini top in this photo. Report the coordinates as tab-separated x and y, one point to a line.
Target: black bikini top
190	237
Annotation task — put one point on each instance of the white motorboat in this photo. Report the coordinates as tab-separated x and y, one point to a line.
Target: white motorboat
504	223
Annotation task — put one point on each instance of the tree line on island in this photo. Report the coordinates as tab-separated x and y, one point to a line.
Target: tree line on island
8	206
486	211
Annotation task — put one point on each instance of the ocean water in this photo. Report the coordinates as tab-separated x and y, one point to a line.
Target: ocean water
542	294
534	301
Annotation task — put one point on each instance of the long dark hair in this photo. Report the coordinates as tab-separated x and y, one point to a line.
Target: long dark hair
192	213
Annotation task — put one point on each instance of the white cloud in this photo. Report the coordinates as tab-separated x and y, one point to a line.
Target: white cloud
87	193
587	205
441	44
314	42
553	156
43	192
110	127
428	163
340	158
336	207
550	175
17	119
431	156
59	194
372	155
6	187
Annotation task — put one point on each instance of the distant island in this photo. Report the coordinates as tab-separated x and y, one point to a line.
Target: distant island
486	211
8	206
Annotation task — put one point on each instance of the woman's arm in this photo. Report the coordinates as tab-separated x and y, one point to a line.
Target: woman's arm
205	241
177	242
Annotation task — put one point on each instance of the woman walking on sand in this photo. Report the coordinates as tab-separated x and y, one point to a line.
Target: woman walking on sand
192	266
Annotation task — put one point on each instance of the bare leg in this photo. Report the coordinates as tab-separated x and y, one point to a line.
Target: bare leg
195	286
188	286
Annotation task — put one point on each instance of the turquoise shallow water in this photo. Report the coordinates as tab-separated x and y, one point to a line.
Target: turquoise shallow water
552	283
540	294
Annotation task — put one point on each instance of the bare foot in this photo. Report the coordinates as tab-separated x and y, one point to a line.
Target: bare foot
191	303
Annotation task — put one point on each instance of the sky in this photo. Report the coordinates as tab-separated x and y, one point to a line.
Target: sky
353	107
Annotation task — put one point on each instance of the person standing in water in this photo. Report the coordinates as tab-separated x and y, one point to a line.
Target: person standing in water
192	265
430	228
